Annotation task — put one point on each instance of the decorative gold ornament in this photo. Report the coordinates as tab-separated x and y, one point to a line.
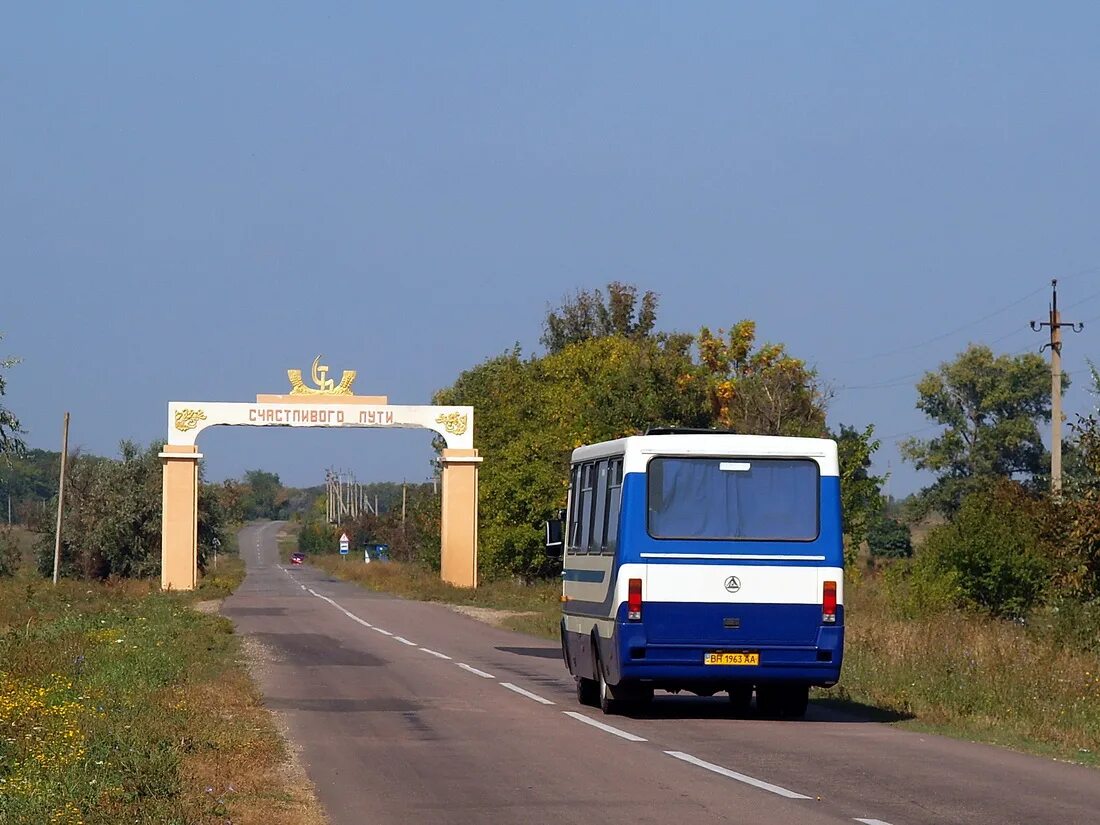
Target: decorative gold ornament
188	419
325	385
454	423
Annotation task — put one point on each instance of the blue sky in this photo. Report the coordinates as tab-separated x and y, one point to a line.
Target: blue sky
194	197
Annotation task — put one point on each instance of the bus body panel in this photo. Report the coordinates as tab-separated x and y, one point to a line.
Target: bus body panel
705	595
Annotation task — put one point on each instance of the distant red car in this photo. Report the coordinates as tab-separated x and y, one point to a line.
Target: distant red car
297	558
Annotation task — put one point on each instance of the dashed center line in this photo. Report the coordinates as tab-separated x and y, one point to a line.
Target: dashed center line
527	693
740	777
622	734
436	653
475	671
580	717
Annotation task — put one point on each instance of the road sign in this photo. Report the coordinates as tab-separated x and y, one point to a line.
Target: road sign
344	544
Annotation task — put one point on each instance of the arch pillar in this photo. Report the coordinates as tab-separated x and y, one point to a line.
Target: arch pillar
458	518
179	517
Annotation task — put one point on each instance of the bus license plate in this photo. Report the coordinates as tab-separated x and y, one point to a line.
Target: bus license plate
720	658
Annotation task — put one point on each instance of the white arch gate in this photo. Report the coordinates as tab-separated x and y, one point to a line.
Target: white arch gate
326	405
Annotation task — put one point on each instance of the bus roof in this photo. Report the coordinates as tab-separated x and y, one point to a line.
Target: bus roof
638	449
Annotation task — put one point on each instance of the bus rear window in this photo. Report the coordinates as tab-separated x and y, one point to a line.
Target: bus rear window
747	499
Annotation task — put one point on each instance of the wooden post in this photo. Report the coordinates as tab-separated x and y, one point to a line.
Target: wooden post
1055	324
61	498
1055	399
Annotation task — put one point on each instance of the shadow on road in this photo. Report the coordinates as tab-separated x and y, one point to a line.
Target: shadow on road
536	652
317	650
232	612
666	706
322	705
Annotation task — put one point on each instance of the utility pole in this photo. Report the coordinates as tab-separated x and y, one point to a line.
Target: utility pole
1055	325
61	498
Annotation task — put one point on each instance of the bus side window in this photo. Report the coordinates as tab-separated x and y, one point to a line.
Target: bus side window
614	502
599	512
575	507
586	506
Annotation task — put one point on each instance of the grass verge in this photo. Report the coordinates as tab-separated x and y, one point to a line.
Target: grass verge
119	703
972	678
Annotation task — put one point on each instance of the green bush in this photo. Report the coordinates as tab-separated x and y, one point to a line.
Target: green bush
917	588
889	538
994	550
318	537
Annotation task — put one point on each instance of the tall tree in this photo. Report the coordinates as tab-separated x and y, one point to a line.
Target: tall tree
990	407
113	517
764	390
860	492
9	424
588	314
532	413
264	489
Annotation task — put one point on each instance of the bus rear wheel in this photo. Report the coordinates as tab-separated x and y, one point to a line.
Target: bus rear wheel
588	692
608	703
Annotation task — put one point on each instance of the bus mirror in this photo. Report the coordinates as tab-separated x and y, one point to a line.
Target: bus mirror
554	543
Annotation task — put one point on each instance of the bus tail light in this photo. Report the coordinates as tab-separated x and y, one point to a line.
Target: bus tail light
828	603
634	601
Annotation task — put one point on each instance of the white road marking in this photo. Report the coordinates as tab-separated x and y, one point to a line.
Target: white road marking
383	632
740	777
580	717
475	671
527	693
436	653
872	821
404	641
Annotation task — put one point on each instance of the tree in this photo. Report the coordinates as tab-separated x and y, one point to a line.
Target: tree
889	538
589	315
10	429
533	412
113	517
994	551
264	491
989	407
860	492
764	391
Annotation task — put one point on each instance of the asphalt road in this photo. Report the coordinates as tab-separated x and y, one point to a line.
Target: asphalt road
407	712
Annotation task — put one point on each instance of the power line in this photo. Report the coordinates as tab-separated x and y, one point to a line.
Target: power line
1071	277
947	334
911	432
899	381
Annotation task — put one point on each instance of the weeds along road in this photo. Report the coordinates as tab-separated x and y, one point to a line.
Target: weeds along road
407	712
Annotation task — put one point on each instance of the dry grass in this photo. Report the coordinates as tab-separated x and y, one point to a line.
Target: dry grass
973	677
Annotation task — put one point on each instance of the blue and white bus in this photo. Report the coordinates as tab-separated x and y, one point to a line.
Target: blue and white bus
702	562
